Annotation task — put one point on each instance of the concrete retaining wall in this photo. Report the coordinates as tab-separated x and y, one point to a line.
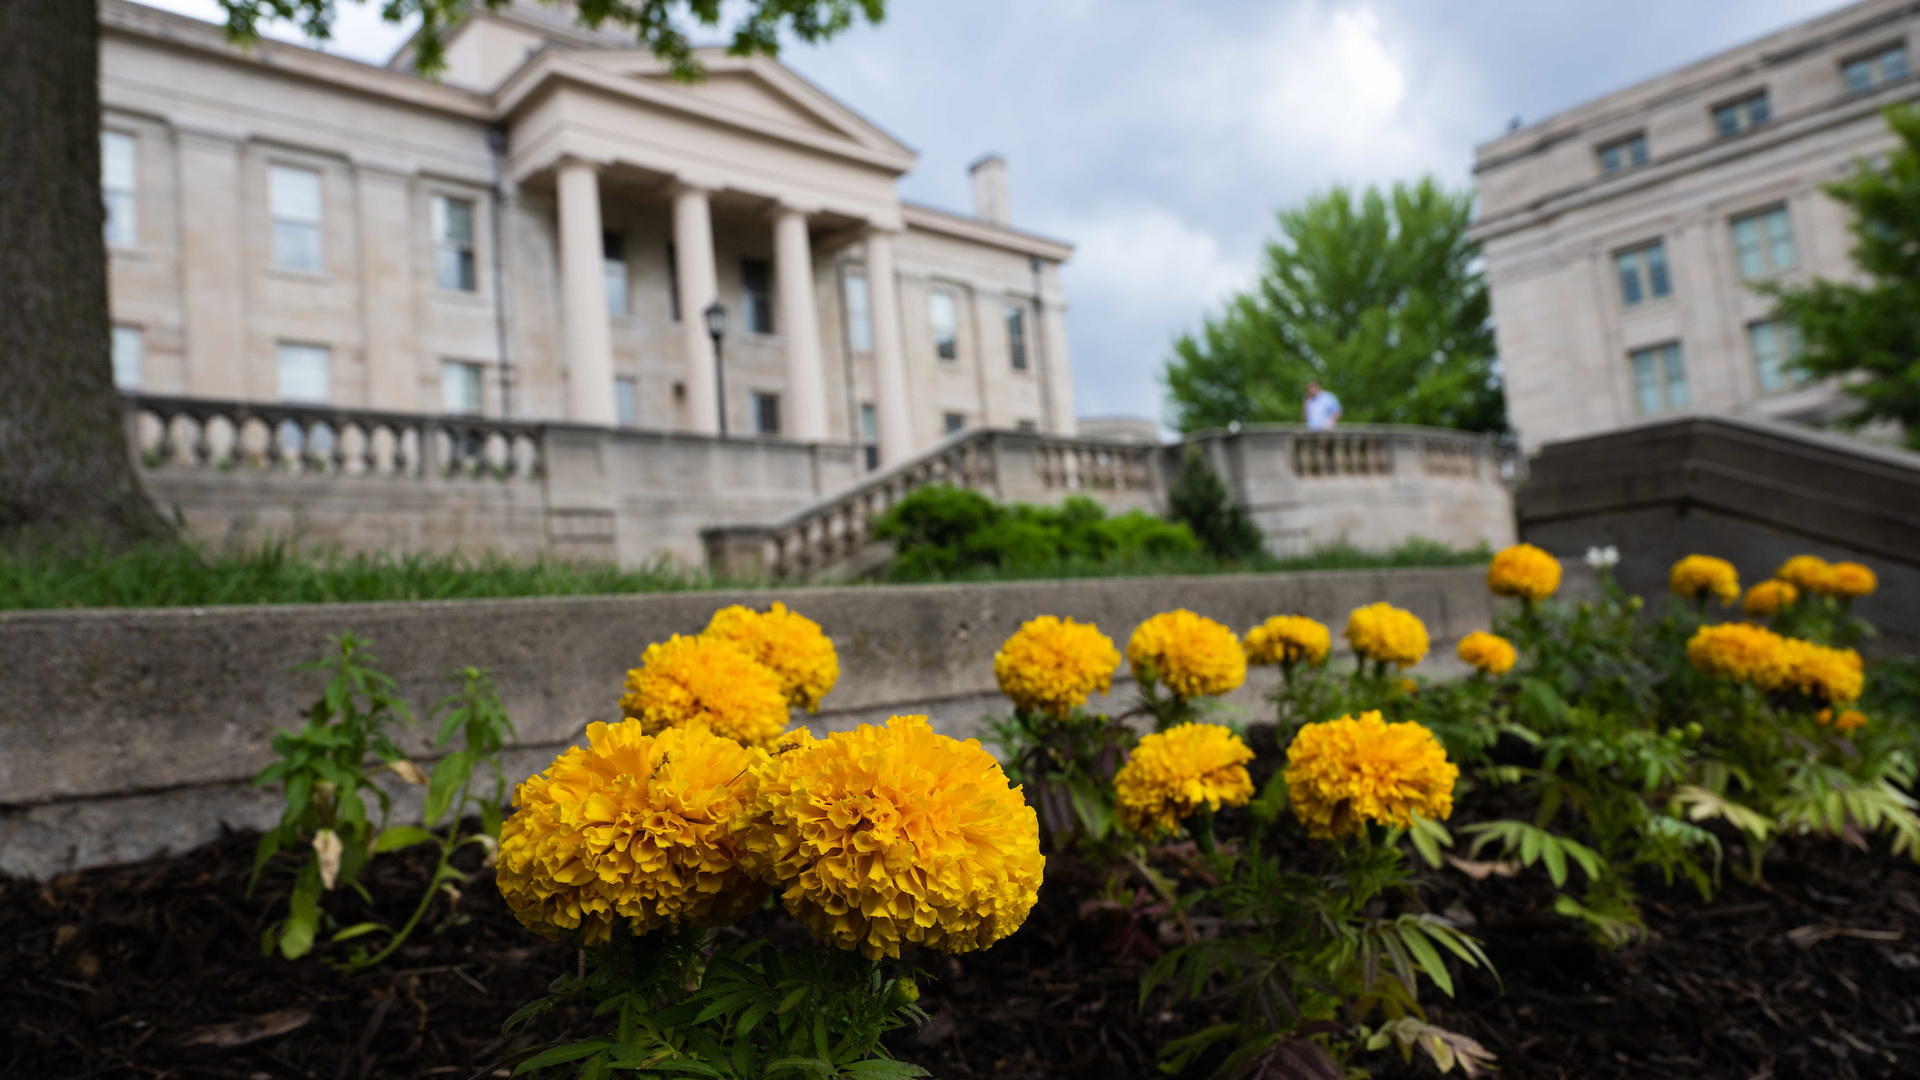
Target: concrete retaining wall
124	734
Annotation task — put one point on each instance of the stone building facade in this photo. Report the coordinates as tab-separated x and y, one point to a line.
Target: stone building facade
1620	235
539	234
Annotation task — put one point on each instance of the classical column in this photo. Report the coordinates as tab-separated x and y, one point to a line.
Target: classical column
799	327
584	296
213	270
693	262
892	405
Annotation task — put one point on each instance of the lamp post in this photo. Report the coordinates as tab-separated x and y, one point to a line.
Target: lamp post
716	314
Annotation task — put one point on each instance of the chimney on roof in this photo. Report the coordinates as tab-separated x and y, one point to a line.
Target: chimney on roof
990	190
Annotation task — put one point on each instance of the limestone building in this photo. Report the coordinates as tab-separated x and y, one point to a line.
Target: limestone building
1619	235
540	234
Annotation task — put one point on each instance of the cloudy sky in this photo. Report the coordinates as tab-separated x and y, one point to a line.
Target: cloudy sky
1159	136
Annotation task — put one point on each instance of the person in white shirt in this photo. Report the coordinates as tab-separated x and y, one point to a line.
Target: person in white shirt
1322	408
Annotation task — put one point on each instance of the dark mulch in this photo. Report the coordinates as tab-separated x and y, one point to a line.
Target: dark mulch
141	971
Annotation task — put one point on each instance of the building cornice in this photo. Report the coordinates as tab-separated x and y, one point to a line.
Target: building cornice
928	219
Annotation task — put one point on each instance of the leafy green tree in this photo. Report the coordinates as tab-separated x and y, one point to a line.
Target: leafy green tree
1869	334
67	475
1378	298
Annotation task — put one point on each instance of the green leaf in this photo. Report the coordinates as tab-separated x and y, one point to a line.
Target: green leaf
303	914
562	1054
883	1069
1090	804
401	836
1427	956
356	930
449	776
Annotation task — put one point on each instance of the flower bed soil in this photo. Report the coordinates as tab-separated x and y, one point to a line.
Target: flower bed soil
154	970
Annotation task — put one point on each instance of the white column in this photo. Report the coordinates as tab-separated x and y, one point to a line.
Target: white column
800	327
892	404
584	296
693	262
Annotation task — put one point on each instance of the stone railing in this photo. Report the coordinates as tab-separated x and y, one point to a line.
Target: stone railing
175	433
832	537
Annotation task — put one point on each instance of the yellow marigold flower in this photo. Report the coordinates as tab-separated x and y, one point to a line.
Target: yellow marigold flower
1288	639
896	835
1806	572
703	681
1695	576
1388	634
1173	773
1189	654
1742	652
1848	722
1491	653
1835	676
1051	665
631	826
794	646
1848	580
1344	773
1524	571
1768	597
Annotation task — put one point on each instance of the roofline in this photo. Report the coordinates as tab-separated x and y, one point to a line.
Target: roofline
932	219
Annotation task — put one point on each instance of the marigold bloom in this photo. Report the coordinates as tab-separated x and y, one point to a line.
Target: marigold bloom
1524	571
1848	722
1388	634
631	826
1768	597
1697	576
1189	654
892	835
1742	652
1052	665
1173	773
1808	573
703	681
1491	653
1850	580
1288	639
1835	676
800	654
1344	773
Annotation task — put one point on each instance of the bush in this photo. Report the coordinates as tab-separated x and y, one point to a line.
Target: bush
1199	500
943	531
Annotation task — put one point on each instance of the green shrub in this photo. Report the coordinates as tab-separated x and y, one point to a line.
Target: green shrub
1199	500
941	532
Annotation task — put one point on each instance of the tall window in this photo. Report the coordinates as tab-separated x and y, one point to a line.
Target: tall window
870	436
626	400
303	374
766	413
1743	115
954	422
460	388
756	295
117	187
673	283
293	198
1775	345
613	264
126	357
1659	379
859	320
1017	336
1867	72
1643	273
1624	154
453	243
946	342
1764	242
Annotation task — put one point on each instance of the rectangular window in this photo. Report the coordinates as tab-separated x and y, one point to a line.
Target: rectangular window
453	243
1775	345
673	283
1624	154
946	342
766	414
117	188
1867	72
626	400
126	357
1743	115
460	388
870	436
1643	273
613	264
1659	379
954	422
756	289
293	198
303	374
1017	336
1764	242
859	322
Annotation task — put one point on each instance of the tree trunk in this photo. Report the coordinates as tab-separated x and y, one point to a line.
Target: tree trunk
65	471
